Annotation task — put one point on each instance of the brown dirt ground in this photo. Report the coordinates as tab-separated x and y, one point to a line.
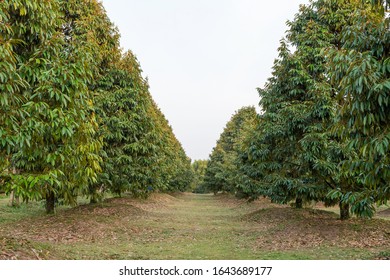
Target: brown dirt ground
275	227
88	223
384	213
286	228
307	228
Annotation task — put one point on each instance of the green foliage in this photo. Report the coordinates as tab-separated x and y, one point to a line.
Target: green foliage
48	127
141	152
199	170
173	166
222	172
360	71
121	103
297	105
70	98
381	6
323	135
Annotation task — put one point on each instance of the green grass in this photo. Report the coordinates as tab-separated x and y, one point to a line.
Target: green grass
187	227
12	214
30	209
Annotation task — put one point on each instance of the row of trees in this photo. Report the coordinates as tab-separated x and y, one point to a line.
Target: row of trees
323	134
198	169
76	115
222	168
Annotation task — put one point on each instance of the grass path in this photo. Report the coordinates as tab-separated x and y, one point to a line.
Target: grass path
190	226
198	227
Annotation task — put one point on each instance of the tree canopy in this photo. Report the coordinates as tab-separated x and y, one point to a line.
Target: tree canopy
221	172
76	116
323	133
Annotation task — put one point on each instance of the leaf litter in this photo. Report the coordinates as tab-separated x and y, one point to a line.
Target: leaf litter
260	226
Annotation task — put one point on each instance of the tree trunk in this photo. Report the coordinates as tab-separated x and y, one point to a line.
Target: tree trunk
344	211
50	200
13	200
298	203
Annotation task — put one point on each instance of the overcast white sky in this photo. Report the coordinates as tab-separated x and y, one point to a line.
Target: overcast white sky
204	58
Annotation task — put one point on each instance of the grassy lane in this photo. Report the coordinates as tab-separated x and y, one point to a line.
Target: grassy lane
197	227
188	226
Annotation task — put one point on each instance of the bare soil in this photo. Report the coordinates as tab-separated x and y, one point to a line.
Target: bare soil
193	226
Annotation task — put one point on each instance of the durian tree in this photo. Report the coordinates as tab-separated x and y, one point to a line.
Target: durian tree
222	172
48	145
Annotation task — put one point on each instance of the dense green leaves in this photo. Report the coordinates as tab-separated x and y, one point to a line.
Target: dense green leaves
141	152
48	122
222	171
323	134
70	100
359	70
199	169
77	118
